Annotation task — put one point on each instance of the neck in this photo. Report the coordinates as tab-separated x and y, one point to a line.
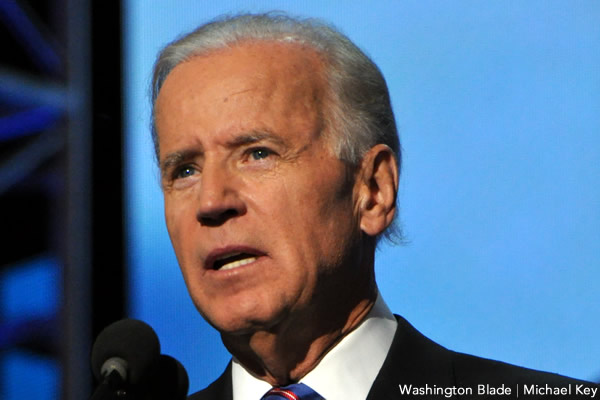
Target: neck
294	347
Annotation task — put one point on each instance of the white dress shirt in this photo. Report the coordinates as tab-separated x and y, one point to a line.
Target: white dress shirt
347	371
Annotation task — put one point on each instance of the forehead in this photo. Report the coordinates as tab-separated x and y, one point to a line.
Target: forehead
293	69
242	84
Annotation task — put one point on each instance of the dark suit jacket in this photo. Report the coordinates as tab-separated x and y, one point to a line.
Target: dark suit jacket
426	370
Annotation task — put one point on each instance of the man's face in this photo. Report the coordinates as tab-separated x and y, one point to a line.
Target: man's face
261	214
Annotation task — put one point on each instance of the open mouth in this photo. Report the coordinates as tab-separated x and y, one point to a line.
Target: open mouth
233	260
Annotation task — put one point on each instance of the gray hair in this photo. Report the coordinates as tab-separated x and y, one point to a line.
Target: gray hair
360	114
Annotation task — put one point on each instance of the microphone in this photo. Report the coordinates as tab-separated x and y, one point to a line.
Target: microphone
171	381
126	360
129	347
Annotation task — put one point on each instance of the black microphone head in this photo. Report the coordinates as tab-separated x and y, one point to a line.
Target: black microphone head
130	340
170	380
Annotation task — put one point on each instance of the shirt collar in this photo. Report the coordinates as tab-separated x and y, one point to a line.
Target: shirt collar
347	371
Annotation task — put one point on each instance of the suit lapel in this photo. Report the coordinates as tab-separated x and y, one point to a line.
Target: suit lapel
221	389
412	360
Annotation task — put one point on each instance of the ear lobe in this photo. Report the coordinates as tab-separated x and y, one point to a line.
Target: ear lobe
378	189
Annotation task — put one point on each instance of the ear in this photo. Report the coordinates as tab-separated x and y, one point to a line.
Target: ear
377	189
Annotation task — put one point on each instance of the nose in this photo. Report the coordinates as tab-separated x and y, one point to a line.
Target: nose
219	199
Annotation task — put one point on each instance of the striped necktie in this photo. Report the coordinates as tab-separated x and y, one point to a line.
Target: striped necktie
296	391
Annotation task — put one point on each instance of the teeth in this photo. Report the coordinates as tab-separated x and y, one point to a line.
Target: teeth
238	263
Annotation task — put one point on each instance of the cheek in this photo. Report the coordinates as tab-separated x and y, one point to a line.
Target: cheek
324	201
316	216
170	220
179	234
175	220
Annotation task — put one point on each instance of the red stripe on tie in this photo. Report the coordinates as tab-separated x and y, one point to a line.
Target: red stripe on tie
284	393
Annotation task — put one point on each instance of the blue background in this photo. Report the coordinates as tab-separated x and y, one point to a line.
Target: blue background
498	106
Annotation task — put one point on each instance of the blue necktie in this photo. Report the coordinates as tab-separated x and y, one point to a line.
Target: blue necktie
296	391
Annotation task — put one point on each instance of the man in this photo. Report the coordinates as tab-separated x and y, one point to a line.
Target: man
279	162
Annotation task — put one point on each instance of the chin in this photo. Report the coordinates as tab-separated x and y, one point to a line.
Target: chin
243	322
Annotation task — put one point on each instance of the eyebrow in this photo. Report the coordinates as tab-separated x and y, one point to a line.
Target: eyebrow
176	158
255	137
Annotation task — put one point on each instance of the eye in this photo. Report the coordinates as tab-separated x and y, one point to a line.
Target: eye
260	153
184	172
